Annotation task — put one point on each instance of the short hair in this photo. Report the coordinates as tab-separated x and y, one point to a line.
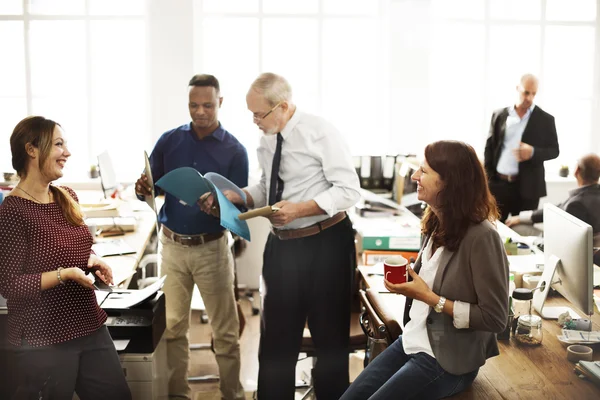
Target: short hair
464	198
589	168
275	88
205	80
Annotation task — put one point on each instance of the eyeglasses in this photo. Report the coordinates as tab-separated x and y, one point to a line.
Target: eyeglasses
258	119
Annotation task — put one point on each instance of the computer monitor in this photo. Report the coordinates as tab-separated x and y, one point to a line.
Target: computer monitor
568	265
108	178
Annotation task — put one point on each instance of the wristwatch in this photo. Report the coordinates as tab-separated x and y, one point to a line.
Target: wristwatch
439	307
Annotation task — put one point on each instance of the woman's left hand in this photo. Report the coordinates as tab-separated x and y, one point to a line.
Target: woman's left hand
416	289
103	271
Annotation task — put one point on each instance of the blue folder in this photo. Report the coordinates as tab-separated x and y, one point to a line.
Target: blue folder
188	185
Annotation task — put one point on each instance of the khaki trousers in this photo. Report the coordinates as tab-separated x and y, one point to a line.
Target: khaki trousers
210	267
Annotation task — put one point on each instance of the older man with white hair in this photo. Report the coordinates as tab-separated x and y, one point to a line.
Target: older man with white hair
309	257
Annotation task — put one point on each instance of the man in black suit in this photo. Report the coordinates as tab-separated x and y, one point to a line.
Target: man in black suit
521	138
583	202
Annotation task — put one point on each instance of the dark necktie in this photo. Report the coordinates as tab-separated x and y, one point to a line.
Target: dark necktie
276	188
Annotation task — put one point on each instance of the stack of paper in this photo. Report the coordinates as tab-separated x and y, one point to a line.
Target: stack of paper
100	210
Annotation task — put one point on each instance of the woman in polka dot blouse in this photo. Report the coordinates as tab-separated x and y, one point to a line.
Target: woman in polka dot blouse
61	345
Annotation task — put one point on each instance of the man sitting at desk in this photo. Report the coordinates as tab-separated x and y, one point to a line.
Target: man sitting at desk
583	202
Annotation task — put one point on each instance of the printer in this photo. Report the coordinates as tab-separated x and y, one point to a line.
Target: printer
143	324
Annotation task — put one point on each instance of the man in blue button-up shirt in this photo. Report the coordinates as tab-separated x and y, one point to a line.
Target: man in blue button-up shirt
192	245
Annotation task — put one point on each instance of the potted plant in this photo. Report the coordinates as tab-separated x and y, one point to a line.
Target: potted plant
563	171
93	171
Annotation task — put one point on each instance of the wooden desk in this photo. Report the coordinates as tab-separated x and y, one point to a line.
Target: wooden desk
519	372
124	267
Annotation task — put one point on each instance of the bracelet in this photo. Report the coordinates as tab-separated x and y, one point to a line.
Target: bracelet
439	307
60	280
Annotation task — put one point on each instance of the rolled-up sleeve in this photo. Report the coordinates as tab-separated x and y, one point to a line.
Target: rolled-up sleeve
339	171
13	253
461	314
259	191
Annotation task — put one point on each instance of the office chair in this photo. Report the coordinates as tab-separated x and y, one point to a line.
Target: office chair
374	328
392	328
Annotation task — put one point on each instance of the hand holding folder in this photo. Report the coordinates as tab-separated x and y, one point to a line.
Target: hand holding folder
258	212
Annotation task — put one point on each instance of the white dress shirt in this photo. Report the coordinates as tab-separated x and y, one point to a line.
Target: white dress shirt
316	164
414	335
515	126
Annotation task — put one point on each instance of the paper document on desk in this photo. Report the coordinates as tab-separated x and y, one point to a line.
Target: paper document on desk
526	264
573	336
128	298
150	200
116	247
188	185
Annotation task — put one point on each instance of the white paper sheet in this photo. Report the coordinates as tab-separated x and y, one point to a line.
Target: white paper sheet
123	299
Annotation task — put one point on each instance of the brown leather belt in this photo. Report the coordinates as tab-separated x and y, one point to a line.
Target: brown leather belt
285	234
191	240
508	178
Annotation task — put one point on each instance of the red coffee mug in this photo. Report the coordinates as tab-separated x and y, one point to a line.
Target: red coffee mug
395	269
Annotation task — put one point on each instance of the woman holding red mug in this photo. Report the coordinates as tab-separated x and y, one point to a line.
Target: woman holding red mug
457	293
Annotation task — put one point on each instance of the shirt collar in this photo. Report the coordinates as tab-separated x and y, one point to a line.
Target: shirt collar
291	124
218	133
512	111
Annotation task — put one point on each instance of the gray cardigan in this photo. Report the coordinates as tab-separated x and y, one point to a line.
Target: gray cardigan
477	273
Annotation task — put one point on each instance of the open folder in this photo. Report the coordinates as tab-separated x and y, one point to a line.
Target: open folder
258	212
188	185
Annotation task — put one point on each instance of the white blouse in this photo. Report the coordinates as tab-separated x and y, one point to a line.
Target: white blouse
414	335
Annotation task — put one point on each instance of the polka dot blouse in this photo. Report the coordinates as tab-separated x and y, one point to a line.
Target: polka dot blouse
36	238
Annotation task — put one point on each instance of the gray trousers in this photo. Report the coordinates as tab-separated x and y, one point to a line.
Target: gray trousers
87	365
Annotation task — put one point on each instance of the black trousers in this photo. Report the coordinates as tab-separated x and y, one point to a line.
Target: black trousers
307	279
87	365
509	199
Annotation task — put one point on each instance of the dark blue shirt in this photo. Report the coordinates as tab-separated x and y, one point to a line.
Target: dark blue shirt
219	152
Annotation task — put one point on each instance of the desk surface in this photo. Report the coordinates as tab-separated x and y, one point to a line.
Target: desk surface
519	371
125	266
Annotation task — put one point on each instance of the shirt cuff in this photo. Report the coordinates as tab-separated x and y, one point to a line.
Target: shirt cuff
258	196
326	203
525	216
461	314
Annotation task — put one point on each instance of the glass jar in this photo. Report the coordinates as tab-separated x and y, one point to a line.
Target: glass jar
529	330
521	304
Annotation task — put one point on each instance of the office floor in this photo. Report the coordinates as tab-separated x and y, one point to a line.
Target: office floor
202	362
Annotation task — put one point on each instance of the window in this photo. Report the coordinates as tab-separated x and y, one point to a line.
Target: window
81	63
333	53
467	56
